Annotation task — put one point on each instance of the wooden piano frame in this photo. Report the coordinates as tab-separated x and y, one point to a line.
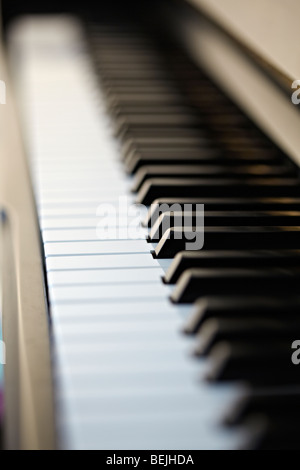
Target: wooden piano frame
29	417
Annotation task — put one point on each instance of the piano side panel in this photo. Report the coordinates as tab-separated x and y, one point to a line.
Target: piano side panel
240	77
28	377
270	28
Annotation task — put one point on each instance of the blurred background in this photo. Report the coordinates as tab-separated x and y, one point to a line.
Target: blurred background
11	8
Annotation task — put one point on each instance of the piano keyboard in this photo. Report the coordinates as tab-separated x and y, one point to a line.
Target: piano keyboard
154	346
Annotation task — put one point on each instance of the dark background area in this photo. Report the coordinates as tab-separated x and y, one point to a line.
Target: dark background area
89	9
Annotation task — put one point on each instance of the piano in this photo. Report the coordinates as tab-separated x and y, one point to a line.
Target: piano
150	225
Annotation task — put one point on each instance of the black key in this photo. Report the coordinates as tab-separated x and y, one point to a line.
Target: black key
278	411
152	110
122	41
123	87
158	131
106	60
273	418
115	49
200	156
248	306
159	206
259	362
148	88
223	109
230	134
241	142
135	74
221	219
243	329
175	219
204	187
142	122
196	283
112	69
269	402
178	239
210	171
233	120
136	99
163	141
230	259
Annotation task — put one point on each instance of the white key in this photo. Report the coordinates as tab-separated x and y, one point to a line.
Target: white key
75	294
105	276
81	234
111	311
101	261
78	212
100	247
81	222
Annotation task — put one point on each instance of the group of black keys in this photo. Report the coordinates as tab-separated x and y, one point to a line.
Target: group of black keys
185	142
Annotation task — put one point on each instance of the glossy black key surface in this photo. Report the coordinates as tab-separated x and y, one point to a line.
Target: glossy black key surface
143	87
195	283
244	142
269	402
246	306
205	187
165	156
277	409
158	134
227	238
152	110
146	123
202	171
144	99
230	259
196	141
243	329
135	74
258	362
204	156
221	219
161	205
122	87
